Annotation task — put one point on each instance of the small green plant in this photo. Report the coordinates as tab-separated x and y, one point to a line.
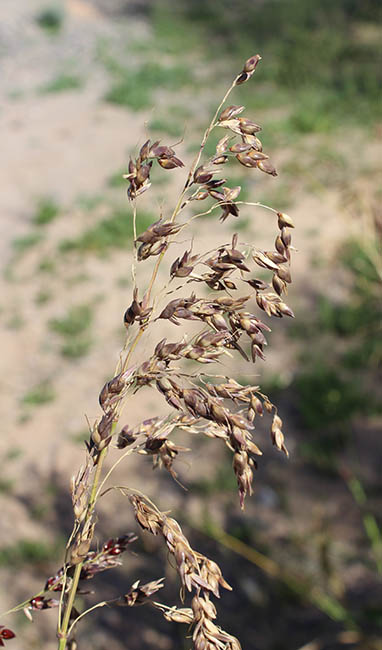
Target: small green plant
42	297
372	529
77	321
62	83
133	88
89	202
41	393
15	321
27	551
50	19
113	232
76	348
46	211
80	437
74	330
116	179
6	485
13	453
22	244
167	127
46	265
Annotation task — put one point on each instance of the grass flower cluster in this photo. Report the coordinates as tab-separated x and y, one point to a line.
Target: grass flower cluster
218	290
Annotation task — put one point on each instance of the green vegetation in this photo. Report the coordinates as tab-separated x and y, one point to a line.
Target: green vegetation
6	485
61	83
13	453
78	347
77	321
74	331
133	87
46	211
42	297
47	265
50	19
116	180
27	551
167	126
372	529
89	202
15	321
80	437
340	376
22	244
40	394
114	232
280	195
359	318
323	58
221	482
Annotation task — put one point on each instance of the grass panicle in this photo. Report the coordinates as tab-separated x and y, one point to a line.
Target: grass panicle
230	293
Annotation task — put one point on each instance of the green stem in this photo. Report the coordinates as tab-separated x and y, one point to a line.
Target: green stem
63	628
63	637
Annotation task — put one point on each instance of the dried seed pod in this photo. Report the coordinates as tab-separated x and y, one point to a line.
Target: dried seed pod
219	196
230	111
242	78
139	594
286	237
276	257
231	194
253	141
201	175
248	127
162	150
257	155
181	615
240	147
221	146
267	167
126	437
246	160
277	435
262	260
143	173
285	310
219	160
214	183
170	163
284	221
144	151
251	63
201	195
280	246
278	284
283	273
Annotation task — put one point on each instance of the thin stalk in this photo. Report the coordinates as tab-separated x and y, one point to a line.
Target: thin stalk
63	635
63	627
87	611
202	145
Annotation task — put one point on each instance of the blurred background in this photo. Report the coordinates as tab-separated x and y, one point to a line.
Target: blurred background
84	83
